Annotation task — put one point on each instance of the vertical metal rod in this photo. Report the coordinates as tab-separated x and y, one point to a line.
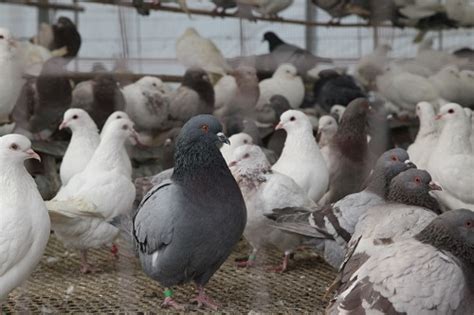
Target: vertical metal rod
310	32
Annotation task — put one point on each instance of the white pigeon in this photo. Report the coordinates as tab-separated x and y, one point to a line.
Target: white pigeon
192	50
84	140
268	8
466	87
147	102
461	11
448	83
11	80
264	190
32	57
236	141
452	160
419	9
81	210
420	150
25	225
435	60
225	90
327	128
370	66
301	159
126	165
405	90
286	82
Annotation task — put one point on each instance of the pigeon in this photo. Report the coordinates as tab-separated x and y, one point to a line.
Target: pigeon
225	90
195	96
337	111
10	75
349	153
282	52
54	96
327	128
147	103
430	272
433	59
339	219
194	51
25	224
452	160
237	140
100	97
143	9
66	35
124	160
84	141
467	88
337	9
370	66
267	8
461	11
334	88
301	159
186	227
82	210
447	82
264	190
223	5
420	150
285	82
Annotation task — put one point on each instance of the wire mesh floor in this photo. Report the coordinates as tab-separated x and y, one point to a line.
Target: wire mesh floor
57	286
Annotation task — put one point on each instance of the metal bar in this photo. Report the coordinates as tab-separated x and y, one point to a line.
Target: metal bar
167	8
53	6
83	76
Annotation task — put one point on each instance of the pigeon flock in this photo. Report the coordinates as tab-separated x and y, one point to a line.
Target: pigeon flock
300	157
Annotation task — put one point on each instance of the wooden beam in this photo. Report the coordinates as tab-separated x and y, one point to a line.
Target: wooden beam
168	8
41	5
83	76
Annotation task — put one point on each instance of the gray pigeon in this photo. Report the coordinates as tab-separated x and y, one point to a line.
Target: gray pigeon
430	273
339	219
195	96
409	209
349	153
186	227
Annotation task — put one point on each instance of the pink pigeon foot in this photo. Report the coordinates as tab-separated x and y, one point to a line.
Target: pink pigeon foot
202	299
249	263
283	267
114	250
168	302
85	266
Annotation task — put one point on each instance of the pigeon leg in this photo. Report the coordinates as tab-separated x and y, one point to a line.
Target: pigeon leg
85	266
284	266
202	299
168	302
249	262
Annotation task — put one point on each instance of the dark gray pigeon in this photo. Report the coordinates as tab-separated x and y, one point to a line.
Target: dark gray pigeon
349	153
339	219
66	35
430	273
195	96
408	210
186	227
283	52
223	5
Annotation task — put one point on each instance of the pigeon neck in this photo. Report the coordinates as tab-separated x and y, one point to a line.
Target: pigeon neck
379	183
274	42
454	138
423	200
427	127
108	153
300	142
447	239
351	139
84	132
15	179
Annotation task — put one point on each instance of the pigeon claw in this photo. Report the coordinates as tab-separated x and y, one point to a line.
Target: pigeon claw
245	264
203	300
170	303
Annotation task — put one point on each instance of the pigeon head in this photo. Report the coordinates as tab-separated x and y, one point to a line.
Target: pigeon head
76	119
201	129
249	159
273	40
245	75
240	139
14	147
64	22
425	110
6	39
287	71
452	231
389	164
450	71
121	129
151	84
328	74
280	104
294	121
451	112
327	124
337	111
198	80
115	115
412	187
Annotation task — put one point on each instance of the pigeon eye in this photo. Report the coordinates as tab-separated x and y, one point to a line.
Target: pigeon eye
118	117
154	84
124	127
394	158
2	37
205	128
451	111
246	156
469	224
14	146
245	141
418	179
75	117
292	118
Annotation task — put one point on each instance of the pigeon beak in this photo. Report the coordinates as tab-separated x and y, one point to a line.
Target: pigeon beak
33	155
410	164
168	142
434	186
63	125
279	126
233	163
222	138
438	117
